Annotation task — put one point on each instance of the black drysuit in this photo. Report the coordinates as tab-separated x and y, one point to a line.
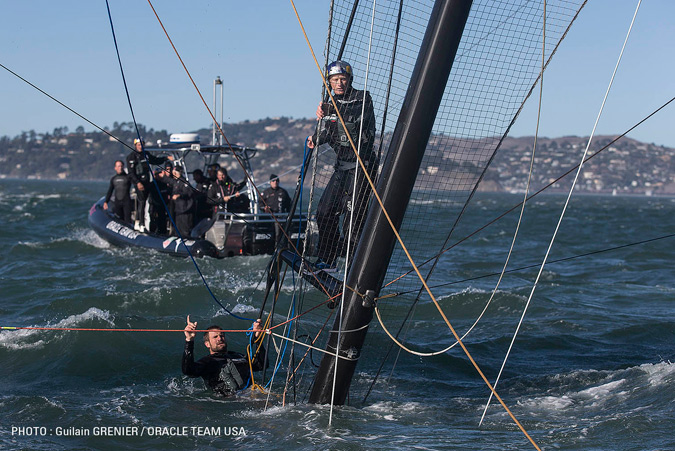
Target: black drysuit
223	372
336	200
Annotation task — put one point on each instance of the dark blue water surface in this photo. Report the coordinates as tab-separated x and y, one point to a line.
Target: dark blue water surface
590	370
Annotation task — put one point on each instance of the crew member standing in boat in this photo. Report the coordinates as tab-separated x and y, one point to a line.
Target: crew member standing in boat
275	199
202	209
119	185
223	193
212	172
183	204
160	201
139	171
224	371
336	200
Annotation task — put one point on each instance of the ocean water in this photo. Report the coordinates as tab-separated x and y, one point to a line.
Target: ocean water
591	368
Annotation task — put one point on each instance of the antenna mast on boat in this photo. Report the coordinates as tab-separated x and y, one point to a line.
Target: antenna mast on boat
217	82
408	144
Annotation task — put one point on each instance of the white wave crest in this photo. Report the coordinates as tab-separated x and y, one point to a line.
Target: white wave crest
88	236
35	339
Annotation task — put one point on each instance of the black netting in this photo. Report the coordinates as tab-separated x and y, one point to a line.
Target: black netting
497	65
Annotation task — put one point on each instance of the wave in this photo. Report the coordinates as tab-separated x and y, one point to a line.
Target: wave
35	339
89	237
596	392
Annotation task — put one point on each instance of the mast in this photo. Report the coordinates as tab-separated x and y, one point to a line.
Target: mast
395	185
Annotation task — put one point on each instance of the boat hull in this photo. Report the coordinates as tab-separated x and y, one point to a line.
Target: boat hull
227	235
119	233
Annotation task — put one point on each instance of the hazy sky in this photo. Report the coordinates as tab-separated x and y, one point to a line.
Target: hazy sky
65	47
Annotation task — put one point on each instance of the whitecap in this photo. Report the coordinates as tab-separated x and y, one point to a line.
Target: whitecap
88	236
33	338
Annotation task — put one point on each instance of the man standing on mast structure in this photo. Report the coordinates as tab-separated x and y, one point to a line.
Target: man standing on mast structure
356	108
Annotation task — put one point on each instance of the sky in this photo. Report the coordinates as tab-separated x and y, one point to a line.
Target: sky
257	47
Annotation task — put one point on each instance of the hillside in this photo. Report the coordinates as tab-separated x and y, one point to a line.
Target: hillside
627	166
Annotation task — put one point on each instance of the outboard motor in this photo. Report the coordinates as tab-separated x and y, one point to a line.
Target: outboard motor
203	248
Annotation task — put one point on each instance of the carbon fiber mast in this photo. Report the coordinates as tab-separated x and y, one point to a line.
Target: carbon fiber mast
409	141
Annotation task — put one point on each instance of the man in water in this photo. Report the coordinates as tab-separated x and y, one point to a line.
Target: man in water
338	198
223	371
120	184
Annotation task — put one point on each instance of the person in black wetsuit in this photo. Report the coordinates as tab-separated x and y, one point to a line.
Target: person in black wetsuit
160	201
275	199
336	200
212	172
139	171
223	371
119	185
202	209
183	203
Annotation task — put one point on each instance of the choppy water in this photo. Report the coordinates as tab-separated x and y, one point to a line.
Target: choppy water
591	369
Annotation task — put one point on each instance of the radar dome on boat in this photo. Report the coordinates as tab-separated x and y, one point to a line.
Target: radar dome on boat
184	138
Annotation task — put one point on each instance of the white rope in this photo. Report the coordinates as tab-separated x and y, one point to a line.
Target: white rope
351	215
527	188
569	195
286	326
312	347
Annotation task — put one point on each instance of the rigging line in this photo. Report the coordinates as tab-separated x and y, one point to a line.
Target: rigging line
215	121
405	249
536	265
280	355
67	107
497	147
562	214
348	29
572	169
314	348
145	156
527	191
391	76
83	329
307	352
637	243
291	354
379	154
297	290
354	207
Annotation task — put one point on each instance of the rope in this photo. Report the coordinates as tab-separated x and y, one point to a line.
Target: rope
536	265
569	196
351	213
83	329
527	189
